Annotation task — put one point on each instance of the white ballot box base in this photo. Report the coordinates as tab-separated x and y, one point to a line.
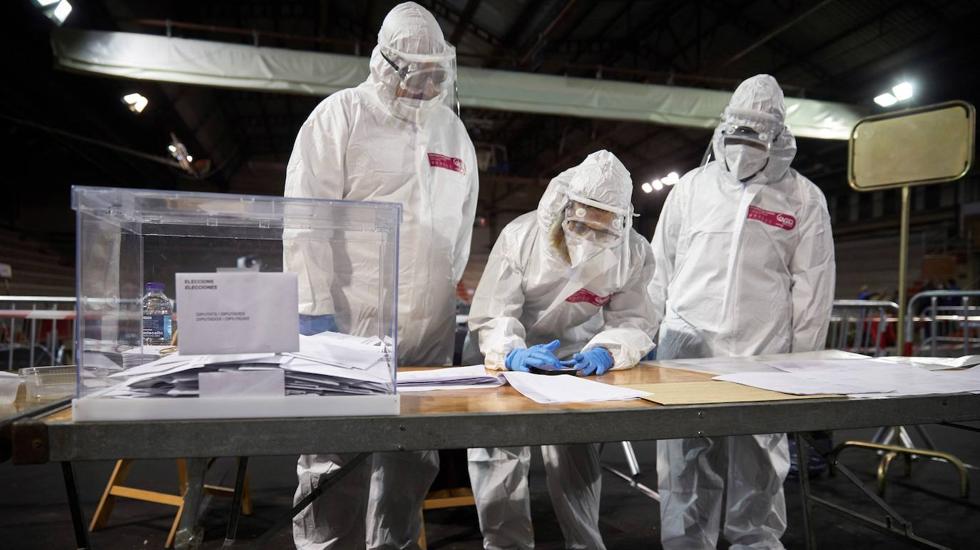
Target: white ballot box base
109	409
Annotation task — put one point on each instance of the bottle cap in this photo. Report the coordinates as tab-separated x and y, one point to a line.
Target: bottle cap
153	287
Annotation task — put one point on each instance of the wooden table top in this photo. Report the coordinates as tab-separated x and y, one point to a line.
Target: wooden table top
507	399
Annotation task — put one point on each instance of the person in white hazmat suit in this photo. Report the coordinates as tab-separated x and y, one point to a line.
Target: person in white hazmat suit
394	138
744	266
566	281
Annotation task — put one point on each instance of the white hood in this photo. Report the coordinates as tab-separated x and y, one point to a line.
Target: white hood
759	104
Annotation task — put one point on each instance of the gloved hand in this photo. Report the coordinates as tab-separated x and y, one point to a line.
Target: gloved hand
595	360
315	324
541	355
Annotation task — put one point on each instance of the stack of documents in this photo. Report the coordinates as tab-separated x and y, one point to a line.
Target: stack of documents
450	378
326	364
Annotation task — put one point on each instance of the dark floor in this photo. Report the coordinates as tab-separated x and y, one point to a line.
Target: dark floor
33	513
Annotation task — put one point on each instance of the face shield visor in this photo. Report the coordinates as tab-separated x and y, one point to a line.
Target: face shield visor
584	223
424	79
746	150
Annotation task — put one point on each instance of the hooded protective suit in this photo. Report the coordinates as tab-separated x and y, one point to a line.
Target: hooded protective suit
377	143
531	293
743	267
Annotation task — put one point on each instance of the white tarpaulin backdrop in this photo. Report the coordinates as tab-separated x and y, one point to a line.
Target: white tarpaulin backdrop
206	63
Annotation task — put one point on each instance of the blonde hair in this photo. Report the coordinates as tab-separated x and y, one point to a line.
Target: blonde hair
556	237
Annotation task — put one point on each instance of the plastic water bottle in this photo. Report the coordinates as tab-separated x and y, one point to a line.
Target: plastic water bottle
158	316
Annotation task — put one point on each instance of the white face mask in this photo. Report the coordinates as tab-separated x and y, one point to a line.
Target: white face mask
580	249
745	161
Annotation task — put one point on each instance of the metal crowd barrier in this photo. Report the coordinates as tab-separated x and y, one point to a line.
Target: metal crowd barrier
938	323
22	320
943	323
862	326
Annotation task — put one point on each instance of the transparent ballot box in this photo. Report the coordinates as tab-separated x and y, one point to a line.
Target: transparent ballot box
202	305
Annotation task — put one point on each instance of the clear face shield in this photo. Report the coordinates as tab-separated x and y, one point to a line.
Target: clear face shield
590	224
424	79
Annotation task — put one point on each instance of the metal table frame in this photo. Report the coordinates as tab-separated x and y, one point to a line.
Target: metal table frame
36	441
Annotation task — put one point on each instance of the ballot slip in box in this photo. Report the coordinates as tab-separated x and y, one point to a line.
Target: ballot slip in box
238	351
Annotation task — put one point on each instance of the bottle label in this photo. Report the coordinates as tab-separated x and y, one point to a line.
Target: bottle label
158	328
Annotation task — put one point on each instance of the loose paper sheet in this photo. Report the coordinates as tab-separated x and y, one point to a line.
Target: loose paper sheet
756	363
805	384
567	389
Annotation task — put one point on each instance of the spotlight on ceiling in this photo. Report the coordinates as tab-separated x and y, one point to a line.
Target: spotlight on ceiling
646	187
136	102
886	100
55	10
903	91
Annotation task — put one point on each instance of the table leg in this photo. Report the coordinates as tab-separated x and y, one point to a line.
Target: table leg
190	535
802	464
236	503
77	521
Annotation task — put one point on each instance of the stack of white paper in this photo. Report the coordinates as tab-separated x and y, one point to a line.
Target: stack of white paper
327	364
450	378
565	388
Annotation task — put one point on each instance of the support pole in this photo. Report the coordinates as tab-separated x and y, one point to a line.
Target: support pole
903	260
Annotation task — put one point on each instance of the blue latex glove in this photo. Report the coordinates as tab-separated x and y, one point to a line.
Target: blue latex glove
315	324
595	360
541	356
652	356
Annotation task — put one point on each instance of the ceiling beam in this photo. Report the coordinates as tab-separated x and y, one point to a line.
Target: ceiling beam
808	55
778	30
517	28
542	39
464	20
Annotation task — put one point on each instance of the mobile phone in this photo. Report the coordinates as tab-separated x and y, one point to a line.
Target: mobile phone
552	372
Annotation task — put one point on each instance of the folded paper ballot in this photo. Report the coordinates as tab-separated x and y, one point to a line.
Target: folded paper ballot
327	364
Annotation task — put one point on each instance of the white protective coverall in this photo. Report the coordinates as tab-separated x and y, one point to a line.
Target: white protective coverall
368	144
529	294
742	268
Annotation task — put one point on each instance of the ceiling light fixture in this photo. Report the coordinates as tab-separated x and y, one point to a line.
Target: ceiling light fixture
903	91
136	102
886	100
